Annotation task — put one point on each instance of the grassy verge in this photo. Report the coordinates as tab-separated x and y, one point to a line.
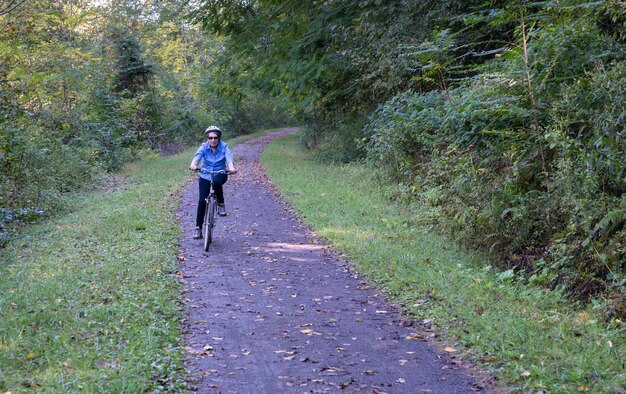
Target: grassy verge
532	339
89	300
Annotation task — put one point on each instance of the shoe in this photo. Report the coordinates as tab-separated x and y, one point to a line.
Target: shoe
197	233
221	209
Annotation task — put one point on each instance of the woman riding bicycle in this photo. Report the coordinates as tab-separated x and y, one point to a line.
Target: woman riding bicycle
212	155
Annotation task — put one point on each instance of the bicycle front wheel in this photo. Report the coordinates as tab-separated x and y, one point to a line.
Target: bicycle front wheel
209	222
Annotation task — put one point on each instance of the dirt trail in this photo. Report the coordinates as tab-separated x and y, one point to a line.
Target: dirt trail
272	310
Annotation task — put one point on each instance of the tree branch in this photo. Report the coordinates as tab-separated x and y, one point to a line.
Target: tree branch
7	6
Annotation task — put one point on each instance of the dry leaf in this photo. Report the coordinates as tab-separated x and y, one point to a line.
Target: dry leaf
449	349
525	374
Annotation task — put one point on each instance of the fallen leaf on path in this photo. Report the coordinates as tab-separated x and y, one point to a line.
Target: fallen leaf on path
401	380
310	332
331	370
416	336
449	349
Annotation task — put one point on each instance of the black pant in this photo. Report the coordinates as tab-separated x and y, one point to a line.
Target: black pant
204	186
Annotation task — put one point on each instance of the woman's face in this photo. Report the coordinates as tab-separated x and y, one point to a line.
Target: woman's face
213	139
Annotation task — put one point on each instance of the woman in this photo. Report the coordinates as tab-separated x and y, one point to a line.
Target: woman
212	155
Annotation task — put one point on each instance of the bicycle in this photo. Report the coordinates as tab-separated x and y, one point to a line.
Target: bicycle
210	214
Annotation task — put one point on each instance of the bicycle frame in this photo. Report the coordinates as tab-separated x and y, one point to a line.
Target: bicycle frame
210	211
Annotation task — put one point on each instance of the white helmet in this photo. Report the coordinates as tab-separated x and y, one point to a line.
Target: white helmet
213	129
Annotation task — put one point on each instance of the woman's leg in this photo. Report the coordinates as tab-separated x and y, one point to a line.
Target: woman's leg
219	180
204	188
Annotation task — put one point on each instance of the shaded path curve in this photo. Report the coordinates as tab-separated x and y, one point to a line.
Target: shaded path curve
271	309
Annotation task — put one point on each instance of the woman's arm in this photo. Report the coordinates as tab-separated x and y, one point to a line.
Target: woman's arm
230	161
197	157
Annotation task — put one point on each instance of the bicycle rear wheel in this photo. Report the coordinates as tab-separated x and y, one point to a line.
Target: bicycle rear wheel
209	222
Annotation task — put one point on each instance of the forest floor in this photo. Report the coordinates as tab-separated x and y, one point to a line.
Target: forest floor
272	308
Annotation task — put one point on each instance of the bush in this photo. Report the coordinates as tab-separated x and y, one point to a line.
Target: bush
542	192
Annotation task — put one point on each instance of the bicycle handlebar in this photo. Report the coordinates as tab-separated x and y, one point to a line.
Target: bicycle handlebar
214	172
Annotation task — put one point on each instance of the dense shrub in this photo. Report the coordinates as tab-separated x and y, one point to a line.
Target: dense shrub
543	192
82	95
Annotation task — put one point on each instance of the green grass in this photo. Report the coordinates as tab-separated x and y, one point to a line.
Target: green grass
89	301
531	338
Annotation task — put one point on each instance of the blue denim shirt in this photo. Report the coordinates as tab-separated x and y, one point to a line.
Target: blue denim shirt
213	161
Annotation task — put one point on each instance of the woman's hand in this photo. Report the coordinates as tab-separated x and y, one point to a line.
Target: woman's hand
193	166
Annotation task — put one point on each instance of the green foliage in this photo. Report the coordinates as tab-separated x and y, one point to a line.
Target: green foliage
539	188
133	73
82	94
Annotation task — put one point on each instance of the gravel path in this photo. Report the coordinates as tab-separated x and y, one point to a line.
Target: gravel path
271	309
